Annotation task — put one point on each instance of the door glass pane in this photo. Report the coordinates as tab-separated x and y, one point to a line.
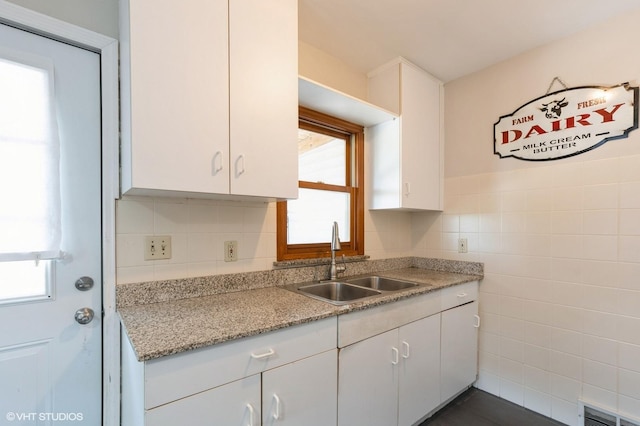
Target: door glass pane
29	162
25	280
310	218
321	158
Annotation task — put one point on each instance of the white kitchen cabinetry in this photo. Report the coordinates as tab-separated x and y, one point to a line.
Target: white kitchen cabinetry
398	361
391	378
368	382
459	365
302	393
419	348
209	98
286	377
406	154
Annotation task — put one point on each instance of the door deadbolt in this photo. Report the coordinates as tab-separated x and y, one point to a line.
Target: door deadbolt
84	283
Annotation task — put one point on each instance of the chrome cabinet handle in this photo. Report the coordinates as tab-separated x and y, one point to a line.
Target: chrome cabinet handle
477	323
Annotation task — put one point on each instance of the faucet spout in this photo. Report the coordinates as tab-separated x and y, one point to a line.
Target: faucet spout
335	238
335	246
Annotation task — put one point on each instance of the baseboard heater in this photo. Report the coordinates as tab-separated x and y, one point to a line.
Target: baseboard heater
596	416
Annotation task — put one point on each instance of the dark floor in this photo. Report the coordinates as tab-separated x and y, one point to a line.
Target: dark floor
478	408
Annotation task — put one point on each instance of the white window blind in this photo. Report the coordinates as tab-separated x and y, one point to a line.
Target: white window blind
29	159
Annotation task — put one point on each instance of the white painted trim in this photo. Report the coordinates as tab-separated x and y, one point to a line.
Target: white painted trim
107	47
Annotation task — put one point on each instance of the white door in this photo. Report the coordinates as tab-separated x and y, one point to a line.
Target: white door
302	392
368	381
459	340
419	389
50	363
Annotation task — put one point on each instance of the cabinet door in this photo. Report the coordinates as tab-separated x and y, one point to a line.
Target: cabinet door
419	390
459	341
420	140
234	404
175	85
263	60
302	393
368	381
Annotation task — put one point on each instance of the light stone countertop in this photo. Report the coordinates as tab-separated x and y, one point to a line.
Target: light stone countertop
160	329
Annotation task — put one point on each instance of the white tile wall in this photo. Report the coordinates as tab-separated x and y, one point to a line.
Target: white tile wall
560	302
198	229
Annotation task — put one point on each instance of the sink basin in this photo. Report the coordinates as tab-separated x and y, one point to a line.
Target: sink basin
382	283
338	293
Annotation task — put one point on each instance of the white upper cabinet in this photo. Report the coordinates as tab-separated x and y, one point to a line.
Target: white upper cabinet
209	98
406	154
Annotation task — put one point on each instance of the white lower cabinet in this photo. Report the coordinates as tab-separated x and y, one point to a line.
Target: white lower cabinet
301	393
391	378
459	364
233	404
394	364
282	378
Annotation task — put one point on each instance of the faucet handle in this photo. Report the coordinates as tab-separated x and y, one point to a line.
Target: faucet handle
343	267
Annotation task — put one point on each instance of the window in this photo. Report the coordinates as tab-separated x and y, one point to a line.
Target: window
30	215
330	162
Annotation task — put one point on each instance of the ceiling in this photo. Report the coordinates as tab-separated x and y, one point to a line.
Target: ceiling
448	38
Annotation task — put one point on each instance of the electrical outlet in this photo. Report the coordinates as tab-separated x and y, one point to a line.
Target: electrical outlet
462	245
157	247
230	251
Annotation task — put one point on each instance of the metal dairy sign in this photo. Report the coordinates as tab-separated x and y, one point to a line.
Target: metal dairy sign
566	123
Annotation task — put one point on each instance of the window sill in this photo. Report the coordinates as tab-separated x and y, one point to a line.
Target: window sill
302	263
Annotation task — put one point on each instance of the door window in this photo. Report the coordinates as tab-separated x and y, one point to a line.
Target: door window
29	178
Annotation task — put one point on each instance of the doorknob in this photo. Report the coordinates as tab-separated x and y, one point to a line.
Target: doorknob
84	315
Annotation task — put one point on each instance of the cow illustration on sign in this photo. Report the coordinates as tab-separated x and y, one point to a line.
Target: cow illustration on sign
554	108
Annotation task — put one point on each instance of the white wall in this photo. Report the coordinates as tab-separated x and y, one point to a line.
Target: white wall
323	68
97	15
560	302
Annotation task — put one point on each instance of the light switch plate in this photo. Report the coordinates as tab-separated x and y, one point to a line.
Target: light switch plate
157	247
230	251
462	245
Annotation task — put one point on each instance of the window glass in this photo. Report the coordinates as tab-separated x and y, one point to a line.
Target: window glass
310	217
29	162
30	215
25	280
321	158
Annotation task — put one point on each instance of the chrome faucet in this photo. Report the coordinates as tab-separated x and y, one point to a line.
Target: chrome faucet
335	246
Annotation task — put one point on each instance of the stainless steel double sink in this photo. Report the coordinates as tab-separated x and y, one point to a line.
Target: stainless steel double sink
352	290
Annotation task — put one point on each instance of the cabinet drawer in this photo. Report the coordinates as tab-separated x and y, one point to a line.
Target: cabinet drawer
184	374
357	326
458	295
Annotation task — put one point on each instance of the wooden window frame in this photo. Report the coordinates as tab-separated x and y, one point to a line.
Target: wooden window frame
316	121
